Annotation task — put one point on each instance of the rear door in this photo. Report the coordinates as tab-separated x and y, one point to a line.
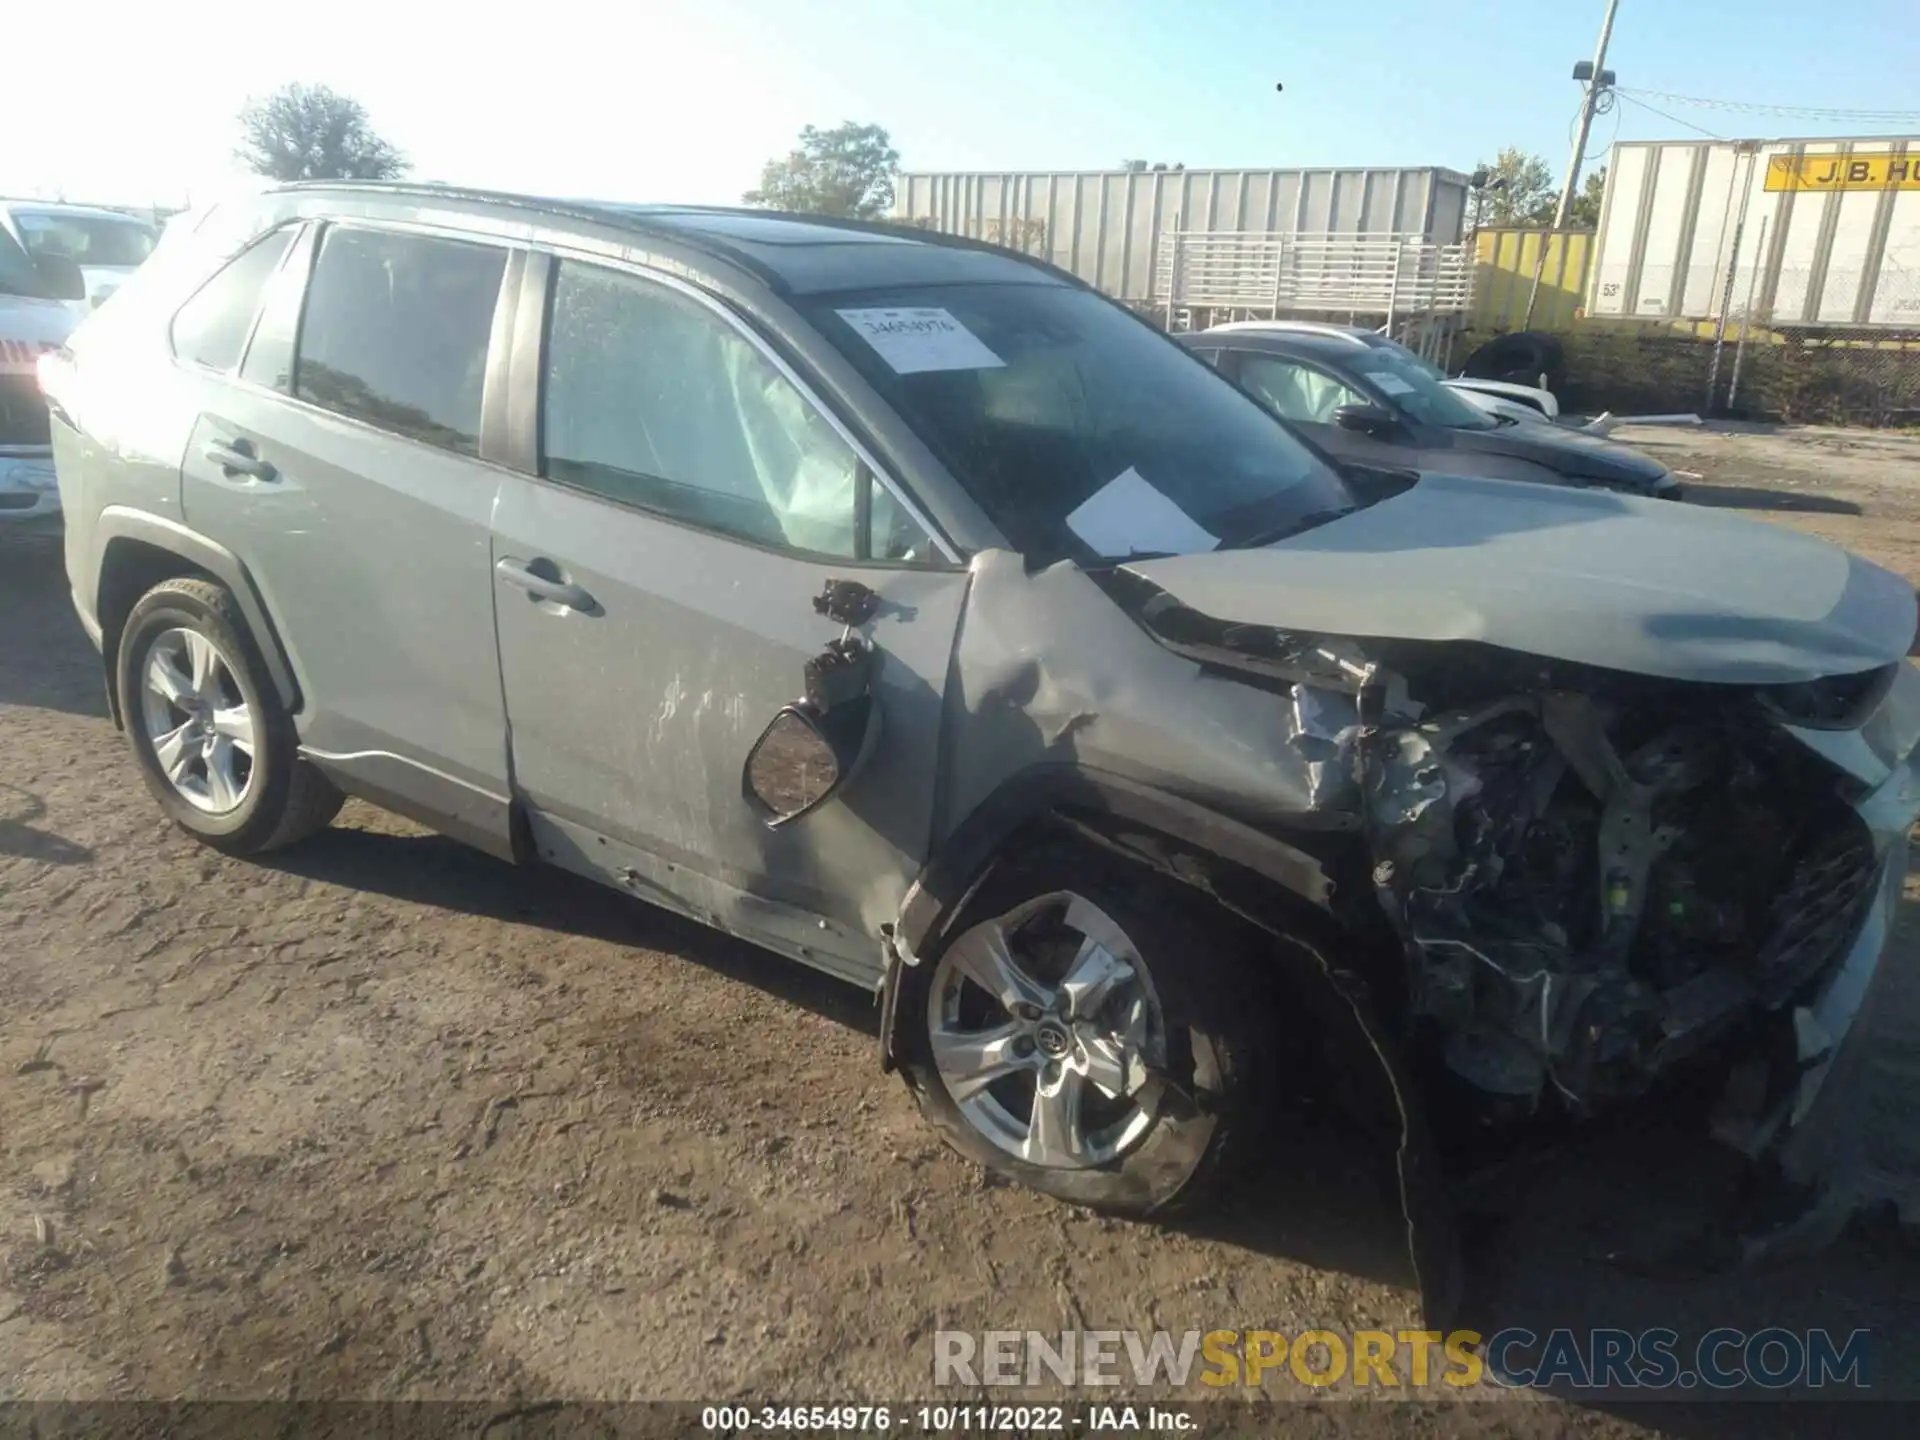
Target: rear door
342	463
697	498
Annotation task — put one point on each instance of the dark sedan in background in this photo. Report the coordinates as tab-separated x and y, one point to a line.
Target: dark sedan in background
1380	405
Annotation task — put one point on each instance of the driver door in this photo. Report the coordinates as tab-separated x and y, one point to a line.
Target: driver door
1308	396
654	588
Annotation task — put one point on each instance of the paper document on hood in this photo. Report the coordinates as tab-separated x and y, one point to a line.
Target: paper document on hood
1392	384
1127	515
920	339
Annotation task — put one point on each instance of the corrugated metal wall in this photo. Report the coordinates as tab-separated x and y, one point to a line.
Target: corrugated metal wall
1503	277
1842	232
1105	226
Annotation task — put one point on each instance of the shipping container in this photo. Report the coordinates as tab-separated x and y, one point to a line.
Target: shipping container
1106	226
1791	233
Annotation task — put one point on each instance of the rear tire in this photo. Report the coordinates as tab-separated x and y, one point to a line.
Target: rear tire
212	740
1520	358
1188	1011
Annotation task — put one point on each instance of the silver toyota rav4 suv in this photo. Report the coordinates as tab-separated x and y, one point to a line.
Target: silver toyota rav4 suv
904	606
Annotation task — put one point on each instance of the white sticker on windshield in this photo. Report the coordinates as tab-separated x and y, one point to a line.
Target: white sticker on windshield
1392	384
1127	515
920	339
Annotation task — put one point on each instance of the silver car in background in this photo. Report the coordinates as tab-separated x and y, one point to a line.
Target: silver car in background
905	607
84	252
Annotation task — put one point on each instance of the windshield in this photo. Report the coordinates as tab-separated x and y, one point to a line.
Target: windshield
1425	367
17	275
1408	381
1081	432
87	239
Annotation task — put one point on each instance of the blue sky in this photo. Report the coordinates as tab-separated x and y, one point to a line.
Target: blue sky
683	99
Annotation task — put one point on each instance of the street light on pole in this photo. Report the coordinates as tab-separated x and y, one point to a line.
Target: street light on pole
1598	80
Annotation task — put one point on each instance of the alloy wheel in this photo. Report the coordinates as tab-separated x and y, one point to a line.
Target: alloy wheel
203	733
1047	1034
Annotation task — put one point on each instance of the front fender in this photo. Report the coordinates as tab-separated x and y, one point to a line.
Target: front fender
1252	866
1097	799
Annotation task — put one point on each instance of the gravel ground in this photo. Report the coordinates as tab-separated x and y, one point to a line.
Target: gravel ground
386	1118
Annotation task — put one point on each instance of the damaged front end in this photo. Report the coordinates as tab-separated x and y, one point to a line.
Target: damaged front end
1601	883
1593	889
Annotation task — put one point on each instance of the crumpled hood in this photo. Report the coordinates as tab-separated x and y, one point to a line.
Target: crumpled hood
1599	578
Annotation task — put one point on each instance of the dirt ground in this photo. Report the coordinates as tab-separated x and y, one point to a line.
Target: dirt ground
383	1117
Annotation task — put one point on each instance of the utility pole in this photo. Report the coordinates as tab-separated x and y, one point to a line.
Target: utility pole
1597	80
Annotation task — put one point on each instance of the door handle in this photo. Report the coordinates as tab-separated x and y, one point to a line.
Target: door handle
238	459
544	587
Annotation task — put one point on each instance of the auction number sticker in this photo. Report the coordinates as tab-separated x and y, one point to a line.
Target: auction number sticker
927	1419
922	338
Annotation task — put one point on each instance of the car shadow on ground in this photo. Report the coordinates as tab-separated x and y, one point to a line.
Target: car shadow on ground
1563	1257
1756	497
1558	1265
1316	1195
50	664
435	871
22	839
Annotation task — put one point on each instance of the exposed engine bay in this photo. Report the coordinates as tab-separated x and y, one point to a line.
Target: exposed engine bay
1591	891
1594	876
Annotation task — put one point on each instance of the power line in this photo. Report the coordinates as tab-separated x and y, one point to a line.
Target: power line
1805	112
1673	119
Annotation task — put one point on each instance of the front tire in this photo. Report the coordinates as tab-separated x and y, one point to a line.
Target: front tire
214	744
1092	1032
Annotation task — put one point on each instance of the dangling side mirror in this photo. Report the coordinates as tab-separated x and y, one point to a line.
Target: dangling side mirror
817	744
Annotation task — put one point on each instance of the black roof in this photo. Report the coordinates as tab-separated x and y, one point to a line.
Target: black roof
798	254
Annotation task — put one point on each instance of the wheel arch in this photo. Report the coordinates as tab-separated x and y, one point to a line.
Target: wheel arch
1191	842
1267	879
139	550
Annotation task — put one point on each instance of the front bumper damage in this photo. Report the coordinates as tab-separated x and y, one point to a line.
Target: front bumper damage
1610	888
1801	1008
1849	1131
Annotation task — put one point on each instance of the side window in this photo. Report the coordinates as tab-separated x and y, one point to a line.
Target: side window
269	357
395	332
1295	391
211	328
652	400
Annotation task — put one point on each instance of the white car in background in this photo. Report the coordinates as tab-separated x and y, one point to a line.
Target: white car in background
31	324
83	253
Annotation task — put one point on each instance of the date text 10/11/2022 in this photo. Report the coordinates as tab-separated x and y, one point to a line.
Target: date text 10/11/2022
944	1419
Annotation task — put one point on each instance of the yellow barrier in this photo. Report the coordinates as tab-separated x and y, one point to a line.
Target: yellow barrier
1503	278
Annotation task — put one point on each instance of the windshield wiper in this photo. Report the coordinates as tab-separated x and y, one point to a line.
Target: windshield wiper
1308	521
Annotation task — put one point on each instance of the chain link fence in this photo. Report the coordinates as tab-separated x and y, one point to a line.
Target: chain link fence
1789	377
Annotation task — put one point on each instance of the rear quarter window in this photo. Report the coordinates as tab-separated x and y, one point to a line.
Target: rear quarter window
211	329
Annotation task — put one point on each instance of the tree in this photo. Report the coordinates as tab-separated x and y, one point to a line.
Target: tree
846	171
308	132
1519	190
1140	167
1586	205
